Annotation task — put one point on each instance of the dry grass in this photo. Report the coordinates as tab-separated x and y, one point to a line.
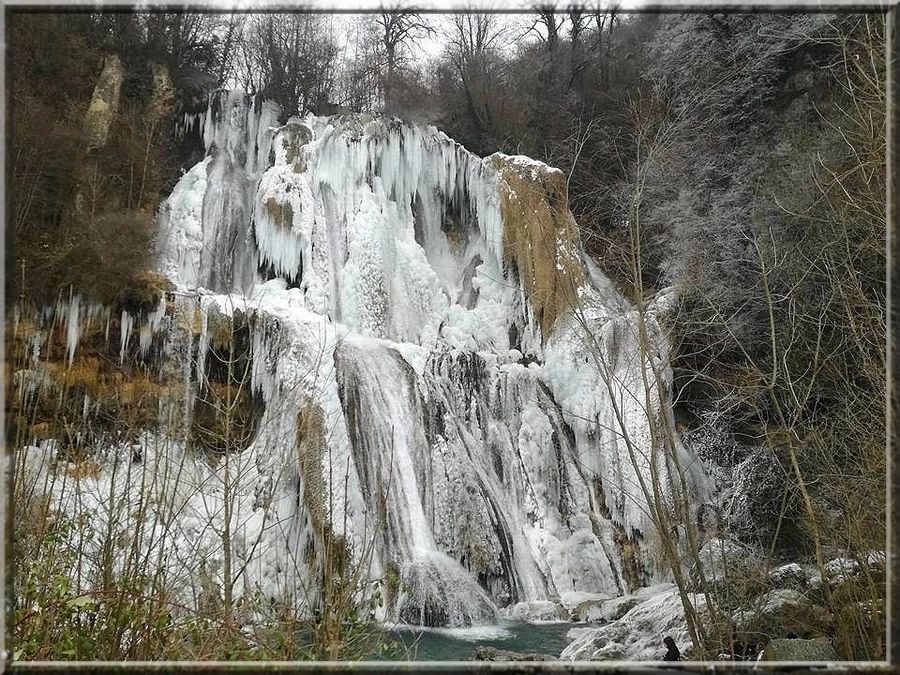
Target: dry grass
84	468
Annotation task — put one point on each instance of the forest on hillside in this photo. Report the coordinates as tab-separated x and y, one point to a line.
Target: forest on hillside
735	162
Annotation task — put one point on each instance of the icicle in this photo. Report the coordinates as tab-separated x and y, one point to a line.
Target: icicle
36	342
202	344
375	228
73	329
125	332
209	128
284	217
151	325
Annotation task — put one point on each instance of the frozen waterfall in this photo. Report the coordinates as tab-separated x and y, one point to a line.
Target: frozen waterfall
423	392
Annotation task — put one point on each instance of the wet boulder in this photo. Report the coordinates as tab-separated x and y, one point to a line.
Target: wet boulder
494	654
583	606
618	607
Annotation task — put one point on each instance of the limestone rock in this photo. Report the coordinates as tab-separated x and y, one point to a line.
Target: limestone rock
722	558
782	610
791	575
104	102
618	607
539	610
494	654
588	610
583	606
637	635
819	649
162	100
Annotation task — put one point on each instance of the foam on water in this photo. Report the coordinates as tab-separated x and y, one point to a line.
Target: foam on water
474	633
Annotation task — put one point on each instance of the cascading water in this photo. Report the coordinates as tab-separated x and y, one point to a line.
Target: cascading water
385	421
427	396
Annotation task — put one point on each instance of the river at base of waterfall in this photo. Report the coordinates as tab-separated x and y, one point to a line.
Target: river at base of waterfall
455	644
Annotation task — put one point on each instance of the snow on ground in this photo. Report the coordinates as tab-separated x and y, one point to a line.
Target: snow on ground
638	635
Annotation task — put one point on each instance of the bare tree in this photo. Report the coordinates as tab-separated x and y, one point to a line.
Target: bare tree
291	59
399	31
605	19
360	83
547	18
472	44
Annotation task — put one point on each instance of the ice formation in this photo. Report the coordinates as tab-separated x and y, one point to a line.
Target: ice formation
637	635
446	386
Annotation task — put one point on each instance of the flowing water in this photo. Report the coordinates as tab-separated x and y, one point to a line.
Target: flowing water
448	644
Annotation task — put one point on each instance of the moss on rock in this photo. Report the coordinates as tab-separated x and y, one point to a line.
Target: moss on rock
310	446
282	214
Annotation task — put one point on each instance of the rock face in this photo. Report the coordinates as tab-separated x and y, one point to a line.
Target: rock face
421	388
162	97
104	102
98	118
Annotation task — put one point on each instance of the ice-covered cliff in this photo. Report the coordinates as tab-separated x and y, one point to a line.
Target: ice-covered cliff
438	384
